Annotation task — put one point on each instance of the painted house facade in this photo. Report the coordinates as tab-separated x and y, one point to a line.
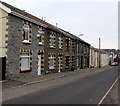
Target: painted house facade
31	46
98	57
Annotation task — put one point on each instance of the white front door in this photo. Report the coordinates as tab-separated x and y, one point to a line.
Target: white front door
39	64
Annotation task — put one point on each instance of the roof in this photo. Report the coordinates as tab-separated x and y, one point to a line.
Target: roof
101	50
73	36
36	20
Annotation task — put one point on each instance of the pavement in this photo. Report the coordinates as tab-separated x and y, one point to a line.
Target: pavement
8	84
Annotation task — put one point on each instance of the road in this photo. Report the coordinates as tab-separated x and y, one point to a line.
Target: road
81	88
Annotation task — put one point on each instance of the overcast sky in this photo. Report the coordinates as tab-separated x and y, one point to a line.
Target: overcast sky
93	18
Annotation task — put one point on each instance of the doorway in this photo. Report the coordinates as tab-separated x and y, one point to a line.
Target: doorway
39	64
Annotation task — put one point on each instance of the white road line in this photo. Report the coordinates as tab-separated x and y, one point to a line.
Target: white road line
107	92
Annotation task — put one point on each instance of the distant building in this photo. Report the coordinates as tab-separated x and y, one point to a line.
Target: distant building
97	60
112	54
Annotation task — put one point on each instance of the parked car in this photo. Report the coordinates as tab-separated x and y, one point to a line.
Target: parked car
114	64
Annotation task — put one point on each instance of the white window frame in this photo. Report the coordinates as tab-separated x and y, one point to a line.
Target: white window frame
84	61
77	47
60	42
40	33
25	57
51	58
26	29
52	39
77	62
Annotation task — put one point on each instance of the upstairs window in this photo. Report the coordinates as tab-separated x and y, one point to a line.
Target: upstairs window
77	47
26	32
60	42
67	44
52	39
82	48
40	35
73	46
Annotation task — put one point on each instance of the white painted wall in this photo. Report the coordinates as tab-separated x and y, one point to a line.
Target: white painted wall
3	26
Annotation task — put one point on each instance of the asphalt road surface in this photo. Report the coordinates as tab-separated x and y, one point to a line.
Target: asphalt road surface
73	89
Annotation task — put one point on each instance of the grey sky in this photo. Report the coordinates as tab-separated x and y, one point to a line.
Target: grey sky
93	18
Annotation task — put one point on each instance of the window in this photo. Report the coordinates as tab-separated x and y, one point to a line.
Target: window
26	32
52	39
25	61
84	61
82	48
77	47
67	61
73	58
73	46
77	60
67	44
60	42
40	35
87	49
51	62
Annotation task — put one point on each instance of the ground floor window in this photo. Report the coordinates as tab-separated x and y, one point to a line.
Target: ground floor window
73	60
51	62
77	60
67	61
25	61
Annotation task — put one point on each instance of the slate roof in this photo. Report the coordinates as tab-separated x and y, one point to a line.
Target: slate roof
22	13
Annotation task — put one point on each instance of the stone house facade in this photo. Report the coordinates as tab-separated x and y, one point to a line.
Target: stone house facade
31	46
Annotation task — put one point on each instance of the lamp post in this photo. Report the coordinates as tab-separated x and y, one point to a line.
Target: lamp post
77	51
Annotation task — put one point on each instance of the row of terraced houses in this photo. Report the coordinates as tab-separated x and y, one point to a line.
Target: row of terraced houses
30	46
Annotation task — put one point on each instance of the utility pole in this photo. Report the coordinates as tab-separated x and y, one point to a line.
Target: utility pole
99	53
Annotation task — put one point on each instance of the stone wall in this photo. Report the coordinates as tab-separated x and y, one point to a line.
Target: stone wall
15	44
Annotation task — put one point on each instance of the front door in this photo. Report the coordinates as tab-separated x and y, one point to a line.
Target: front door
39	64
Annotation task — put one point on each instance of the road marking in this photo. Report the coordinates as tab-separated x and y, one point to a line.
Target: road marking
107	92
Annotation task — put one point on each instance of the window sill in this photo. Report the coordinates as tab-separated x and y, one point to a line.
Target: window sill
26	41
26	70
51	68
60	48
40	43
52	47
